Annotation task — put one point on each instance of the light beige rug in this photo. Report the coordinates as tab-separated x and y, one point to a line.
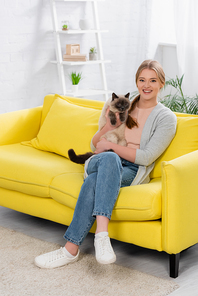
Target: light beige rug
19	276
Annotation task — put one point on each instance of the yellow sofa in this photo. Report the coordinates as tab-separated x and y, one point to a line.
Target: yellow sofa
37	178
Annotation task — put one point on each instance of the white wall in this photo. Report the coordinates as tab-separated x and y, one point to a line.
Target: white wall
27	46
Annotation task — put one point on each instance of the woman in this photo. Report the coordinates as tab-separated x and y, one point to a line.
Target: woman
150	129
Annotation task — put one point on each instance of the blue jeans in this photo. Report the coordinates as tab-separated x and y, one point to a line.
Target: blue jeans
107	172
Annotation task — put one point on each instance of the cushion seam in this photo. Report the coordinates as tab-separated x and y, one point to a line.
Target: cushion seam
131	208
23	182
65	173
59	190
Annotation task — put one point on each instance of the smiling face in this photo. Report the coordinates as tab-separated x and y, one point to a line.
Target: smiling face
148	85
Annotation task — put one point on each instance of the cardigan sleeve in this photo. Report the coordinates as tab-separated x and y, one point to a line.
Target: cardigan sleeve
160	136
93	148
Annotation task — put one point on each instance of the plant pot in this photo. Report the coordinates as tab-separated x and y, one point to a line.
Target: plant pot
93	56
74	88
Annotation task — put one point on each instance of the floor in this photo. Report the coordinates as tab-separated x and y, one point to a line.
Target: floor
148	261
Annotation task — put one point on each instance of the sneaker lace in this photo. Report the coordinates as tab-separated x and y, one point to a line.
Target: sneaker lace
105	245
56	255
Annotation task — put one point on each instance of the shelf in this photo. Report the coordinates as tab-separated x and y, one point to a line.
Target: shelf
168	44
78	0
61	64
78	63
87	92
70	32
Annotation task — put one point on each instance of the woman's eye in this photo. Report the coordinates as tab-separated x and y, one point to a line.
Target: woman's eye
153	80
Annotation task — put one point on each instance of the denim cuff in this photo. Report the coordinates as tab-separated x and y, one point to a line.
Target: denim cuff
71	240
95	213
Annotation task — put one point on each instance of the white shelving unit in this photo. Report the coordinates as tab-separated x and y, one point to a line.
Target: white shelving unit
62	64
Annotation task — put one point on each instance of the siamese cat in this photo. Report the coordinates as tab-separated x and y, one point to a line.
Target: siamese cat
117	104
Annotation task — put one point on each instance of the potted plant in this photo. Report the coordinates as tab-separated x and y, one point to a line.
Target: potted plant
75	79
92	54
65	27
178	102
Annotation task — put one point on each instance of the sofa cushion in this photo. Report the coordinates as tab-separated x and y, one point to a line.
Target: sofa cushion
139	203
67	126
31	171
185	141
134	203
49	100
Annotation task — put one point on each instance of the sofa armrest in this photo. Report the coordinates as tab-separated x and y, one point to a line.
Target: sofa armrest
180	203
17	126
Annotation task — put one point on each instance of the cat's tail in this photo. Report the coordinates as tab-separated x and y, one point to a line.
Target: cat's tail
81	158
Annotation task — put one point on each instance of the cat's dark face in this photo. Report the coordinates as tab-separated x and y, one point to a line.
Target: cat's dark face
119	103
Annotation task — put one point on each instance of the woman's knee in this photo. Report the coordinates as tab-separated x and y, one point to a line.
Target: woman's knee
111	158
106	161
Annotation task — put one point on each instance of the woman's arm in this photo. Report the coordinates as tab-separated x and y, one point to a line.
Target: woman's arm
124	152
159	140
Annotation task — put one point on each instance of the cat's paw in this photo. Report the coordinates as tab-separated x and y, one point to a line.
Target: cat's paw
113	121
122	117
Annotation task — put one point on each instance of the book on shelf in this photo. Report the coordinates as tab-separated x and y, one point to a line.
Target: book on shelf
73	58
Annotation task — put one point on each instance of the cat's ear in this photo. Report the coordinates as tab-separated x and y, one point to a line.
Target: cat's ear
114	96
127	95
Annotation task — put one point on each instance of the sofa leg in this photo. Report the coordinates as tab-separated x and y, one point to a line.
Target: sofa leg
174	264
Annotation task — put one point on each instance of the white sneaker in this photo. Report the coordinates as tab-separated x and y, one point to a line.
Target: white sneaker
103	250
54	259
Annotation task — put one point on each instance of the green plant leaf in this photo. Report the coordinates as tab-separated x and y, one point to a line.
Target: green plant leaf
93	50
133	95
75	77
178	102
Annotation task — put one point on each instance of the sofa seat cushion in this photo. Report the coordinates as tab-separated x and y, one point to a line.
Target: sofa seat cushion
139	203
31	171
134	203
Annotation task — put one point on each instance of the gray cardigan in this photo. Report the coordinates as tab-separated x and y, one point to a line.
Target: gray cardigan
158	132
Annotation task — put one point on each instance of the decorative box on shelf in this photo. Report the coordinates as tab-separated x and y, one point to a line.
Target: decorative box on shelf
73	54
72	49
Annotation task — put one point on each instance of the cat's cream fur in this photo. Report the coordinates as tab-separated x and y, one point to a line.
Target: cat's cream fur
117	135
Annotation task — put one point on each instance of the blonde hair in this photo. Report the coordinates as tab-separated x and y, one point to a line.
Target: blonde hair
151	65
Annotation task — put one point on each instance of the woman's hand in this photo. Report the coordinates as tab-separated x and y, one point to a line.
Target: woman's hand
102	145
